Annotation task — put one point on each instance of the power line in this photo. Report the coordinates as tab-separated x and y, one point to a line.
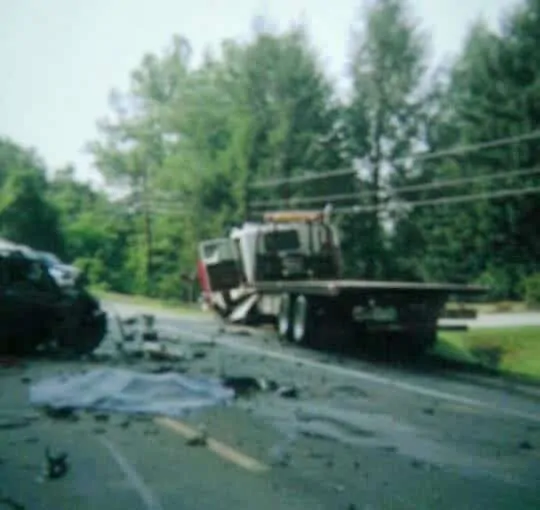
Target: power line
446	200
401	189
419	156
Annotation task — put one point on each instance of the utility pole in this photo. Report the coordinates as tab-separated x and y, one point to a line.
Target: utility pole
147	231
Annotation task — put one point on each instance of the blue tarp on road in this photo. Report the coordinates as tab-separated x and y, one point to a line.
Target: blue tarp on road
119	390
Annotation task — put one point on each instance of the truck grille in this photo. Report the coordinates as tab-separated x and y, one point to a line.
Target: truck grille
292	265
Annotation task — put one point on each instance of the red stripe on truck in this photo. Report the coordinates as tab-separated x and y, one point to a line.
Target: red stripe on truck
202	274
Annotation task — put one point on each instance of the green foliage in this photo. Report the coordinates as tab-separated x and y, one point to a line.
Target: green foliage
184	144
25	214
531	286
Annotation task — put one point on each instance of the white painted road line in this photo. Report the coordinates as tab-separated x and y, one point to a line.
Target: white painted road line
147	496
355	374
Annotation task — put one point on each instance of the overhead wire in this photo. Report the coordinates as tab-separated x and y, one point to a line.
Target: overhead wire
444	200
443	183
419	156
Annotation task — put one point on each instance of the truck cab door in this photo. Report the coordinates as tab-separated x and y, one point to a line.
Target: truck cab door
219	267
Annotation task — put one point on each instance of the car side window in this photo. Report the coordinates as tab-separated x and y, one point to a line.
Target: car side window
26	274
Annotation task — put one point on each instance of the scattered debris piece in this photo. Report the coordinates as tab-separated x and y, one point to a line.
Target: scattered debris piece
32	440
159	352
129	337
99	430
149	333
101	417
56	465
314	435
61	413
338	488
162	369
125	424
351	506
390	448
288	392
244	385
200	439
525	445
416	463
150	336
13	423
329	463
207	343
148	320
429	411
356	465
130	321
26	379
199	354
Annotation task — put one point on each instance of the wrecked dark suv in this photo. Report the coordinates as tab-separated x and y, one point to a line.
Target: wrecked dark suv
36	312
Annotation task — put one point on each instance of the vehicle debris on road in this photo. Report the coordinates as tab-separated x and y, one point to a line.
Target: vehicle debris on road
526	445
200	438
56	466
13	423
60	413
245	386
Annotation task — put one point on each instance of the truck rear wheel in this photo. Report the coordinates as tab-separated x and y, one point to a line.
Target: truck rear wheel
284	319
302	325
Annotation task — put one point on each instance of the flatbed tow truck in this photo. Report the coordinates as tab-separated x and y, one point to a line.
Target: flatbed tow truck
286	270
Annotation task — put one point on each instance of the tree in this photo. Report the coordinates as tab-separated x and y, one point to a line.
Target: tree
384	119
26	216
133	146
491	93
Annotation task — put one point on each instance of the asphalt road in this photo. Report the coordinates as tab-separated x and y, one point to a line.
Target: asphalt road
352	434
487	320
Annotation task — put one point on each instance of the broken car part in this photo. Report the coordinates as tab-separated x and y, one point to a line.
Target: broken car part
69	318
56	466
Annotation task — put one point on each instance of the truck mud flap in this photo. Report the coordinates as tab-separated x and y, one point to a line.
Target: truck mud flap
242	310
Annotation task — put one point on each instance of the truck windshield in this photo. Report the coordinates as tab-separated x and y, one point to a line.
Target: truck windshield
281	240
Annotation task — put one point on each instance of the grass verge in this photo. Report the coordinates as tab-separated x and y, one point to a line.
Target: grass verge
498	307
512	351
152	303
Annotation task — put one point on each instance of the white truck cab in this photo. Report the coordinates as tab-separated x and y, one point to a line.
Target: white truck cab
286	245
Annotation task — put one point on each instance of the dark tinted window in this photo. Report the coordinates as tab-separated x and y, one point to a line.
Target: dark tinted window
27	274
282	240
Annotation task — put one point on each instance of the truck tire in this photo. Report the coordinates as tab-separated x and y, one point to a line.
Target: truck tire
302	323
284	318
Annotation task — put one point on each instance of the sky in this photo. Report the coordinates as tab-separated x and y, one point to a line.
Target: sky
60	58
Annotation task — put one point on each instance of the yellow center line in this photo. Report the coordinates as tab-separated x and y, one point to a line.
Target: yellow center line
224	451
